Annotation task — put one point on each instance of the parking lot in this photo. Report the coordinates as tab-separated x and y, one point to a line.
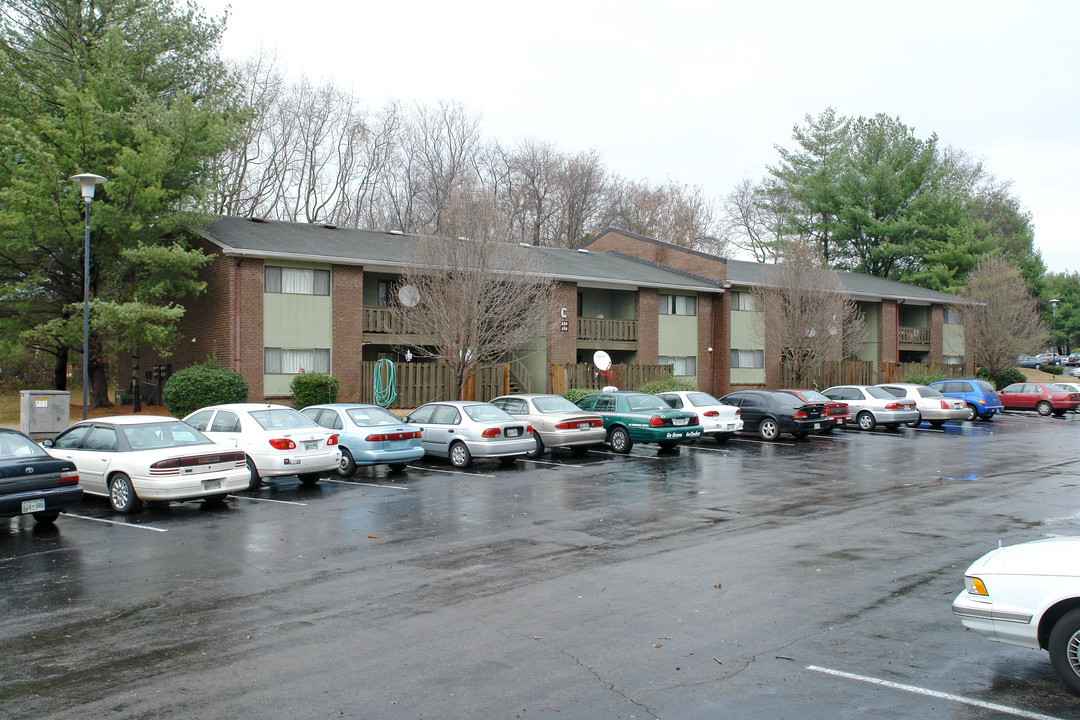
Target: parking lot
740	580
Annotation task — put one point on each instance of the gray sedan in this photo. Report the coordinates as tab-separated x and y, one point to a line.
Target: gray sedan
557	422
461	430
873	406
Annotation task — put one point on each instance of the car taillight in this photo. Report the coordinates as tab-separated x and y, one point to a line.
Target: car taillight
67	477
800	415
981	402
491	432
711	413
282	444
528	429
895	406
738	411
656	421
332	440
384	437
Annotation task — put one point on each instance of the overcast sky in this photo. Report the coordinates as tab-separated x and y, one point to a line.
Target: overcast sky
701	92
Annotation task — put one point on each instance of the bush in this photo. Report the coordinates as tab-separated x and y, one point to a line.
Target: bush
1052	369
1008	378
201	385
668	383
313	389
575	394
925	377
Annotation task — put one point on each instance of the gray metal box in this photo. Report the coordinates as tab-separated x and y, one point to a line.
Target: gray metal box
44	412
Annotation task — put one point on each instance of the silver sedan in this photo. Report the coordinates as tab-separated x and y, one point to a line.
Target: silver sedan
460	430
873	406
933	407
557	422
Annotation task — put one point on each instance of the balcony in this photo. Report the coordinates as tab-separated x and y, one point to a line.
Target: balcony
605	334
382	321
914	338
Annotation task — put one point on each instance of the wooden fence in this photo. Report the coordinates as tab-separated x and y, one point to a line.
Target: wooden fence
584	376
860	372
896	372
419	382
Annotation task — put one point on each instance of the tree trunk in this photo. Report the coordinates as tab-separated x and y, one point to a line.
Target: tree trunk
136	403
98	390
60	370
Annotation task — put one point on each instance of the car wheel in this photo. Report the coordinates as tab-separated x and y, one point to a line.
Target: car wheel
460	457
866	420
987	418
1044	408
347	466
937	423
915	423
828	430
668	444
215	500
1059	413
723	437
255	480
892	426
122	495
768	429
309	478
539	446
620	441
398	467
508	460
972	413
1064	647
46	518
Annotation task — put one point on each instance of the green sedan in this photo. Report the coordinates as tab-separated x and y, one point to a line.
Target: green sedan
634	417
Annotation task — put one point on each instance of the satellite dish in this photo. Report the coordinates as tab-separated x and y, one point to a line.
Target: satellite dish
408	295
601	360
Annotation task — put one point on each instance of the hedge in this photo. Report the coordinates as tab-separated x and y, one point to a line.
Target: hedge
201	385
313	389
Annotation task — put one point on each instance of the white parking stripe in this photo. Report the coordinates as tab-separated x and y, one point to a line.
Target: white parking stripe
452	472
544	462
117	522
996	707
715	450
255	499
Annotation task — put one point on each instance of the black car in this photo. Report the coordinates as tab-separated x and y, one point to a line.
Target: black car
32	482
772	412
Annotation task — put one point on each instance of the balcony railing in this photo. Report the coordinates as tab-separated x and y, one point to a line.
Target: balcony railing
605	329
378	320
914	336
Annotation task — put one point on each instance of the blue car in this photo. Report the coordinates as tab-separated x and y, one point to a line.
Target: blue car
981	398
368	435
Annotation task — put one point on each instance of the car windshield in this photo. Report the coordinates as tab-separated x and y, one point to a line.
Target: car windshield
366	417
281	419
700	399
815	396
14	445
152	436
880	393
646	402
486	413
985	386
554	404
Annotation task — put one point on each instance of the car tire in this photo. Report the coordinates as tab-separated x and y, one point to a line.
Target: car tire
987	418
915	423
828	430
620	441
508	460
122	495
460	457
398	467
539	446
1064	647
936	423
865	420
255	480
801	435
972	413
46	518
215	500
1059	413
308	478
1044	408
768	429
347	466
892	426
724	437
668	444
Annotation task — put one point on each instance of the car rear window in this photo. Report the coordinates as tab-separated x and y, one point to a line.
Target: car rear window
366	417
985	386
554	404
701	399
281	419
815	396
646	402
150	436
880	394
13	445
929	392
486	413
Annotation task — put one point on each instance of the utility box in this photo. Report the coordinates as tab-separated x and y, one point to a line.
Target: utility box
44	412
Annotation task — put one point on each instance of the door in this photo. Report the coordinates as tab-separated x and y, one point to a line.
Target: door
443	429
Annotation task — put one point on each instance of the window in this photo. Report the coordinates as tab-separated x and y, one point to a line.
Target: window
225	421
683	365
72	438
200	419
446	415
747	358
384	293
678	305
952	317
743	301
954	359
293	361
102	439
296	281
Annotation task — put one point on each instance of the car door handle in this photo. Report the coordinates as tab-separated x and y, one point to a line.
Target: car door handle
450	431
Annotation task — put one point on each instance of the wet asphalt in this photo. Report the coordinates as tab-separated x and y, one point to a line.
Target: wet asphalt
744	580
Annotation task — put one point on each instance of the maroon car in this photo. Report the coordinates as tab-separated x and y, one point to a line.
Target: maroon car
1043	398
839	413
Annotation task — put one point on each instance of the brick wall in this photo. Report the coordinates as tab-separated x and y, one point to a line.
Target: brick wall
713	367
700	264
562	346
647	313
347	295
937	332
888	332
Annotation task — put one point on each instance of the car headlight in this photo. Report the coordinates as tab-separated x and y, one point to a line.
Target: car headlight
975	586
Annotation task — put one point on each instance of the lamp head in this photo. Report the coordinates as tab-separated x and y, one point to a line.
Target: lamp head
87	182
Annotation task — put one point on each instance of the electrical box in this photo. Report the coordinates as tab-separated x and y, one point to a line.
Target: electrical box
44	412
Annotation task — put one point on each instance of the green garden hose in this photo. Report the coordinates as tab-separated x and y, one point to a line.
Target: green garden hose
385	382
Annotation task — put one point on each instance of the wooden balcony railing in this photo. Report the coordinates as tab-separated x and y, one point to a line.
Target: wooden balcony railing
914	336
605	329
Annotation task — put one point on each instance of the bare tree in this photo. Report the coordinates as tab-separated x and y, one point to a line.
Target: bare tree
581	185
678	214
1003	316
805	314
755	217
476	299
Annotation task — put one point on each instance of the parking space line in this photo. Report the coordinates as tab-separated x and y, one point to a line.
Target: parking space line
117	522
545	462
715	450
996	707
451	472
392	487
255	499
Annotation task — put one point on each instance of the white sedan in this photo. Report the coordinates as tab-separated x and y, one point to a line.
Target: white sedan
278	440
132	458
718	421
1028	595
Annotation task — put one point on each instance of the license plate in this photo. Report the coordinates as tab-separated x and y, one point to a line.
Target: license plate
311	444
681	421
33	506
513	432
211	484
584	426
817	426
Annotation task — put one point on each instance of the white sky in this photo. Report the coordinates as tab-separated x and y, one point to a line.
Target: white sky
702	91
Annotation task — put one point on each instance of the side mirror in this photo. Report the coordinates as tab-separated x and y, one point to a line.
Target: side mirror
47	442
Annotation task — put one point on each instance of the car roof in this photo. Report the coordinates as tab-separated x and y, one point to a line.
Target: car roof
244	407
129	419
531	396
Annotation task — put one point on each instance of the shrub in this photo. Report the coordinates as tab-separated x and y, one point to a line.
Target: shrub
925	377
575	394
201	385
1052	369
313	389
1008	378
667	383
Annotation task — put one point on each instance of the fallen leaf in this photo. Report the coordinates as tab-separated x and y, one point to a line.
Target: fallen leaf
373	537
657	645
717	586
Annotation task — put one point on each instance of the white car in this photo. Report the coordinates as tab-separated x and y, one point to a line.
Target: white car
1028	595
718	421
132	458
873	406
933	407
460	430
278	440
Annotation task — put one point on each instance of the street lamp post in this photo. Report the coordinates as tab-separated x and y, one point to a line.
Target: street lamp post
1053	329
87	182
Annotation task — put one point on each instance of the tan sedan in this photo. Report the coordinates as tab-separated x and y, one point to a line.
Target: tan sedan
557	422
